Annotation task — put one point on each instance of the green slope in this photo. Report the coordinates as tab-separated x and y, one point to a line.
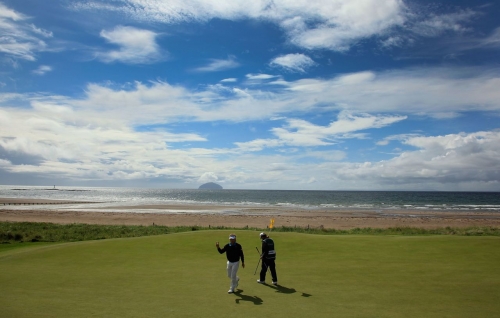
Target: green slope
182	275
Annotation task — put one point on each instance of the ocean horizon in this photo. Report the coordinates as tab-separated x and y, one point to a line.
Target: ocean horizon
109	197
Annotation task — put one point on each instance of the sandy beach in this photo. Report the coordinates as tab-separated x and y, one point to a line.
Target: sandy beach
243	216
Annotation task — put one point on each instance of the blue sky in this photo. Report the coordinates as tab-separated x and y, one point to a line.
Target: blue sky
319	95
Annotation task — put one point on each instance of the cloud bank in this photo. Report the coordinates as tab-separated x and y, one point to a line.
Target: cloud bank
324	24
98	137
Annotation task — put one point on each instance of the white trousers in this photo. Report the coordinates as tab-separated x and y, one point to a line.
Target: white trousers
232	270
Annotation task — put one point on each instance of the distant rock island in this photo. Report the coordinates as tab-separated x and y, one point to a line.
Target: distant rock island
210	186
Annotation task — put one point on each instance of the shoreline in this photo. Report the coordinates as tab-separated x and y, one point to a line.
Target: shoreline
242	216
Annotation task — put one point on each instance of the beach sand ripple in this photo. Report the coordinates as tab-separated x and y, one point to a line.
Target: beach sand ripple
242	216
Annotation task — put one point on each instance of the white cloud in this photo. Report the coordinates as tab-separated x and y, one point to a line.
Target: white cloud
6	13
229	80
217	65
301	133
19	39
430	91
327	24
259	77
87	144
99	136
323	24
394	41
454	161
42	32
42	69
137	46
68	146
326	155
426	91
208	177
493	40
293	62
401	137
259	144
434	24
311	180
336	25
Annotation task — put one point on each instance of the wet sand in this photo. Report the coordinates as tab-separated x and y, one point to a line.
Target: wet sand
241	216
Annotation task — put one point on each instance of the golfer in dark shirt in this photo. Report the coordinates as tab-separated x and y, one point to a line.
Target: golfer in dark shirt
234	252
268	257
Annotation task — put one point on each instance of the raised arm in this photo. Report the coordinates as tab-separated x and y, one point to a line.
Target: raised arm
219	249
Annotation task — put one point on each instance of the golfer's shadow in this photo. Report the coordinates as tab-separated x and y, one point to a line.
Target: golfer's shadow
254	299
286	290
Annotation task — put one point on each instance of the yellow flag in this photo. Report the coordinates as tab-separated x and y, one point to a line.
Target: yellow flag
271	224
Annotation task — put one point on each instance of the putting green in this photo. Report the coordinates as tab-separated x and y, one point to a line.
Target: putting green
183	275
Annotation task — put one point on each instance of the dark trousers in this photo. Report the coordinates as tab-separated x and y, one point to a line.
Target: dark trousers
268	263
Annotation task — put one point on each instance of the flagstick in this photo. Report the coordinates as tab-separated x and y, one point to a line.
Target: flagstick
271	225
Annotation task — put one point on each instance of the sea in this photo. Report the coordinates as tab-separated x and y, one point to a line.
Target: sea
112	198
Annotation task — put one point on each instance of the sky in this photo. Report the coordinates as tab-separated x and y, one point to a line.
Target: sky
263	94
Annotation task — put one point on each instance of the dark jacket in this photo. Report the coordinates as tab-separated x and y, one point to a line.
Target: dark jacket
233	252
268	251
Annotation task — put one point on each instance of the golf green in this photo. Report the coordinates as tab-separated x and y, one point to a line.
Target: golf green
183	275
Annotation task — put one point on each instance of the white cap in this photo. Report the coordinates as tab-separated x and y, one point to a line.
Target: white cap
232	237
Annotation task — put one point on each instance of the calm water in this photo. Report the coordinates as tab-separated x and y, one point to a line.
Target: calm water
109	197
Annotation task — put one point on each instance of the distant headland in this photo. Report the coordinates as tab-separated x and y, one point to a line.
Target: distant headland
210	186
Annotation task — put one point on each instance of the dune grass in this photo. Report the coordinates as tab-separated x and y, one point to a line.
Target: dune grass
11	232
182	275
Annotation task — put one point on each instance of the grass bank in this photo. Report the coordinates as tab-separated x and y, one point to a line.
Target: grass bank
11	232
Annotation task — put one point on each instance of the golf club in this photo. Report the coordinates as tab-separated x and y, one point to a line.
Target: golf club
259	261
256	267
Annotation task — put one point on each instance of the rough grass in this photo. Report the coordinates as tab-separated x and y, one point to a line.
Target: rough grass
182	275
50	232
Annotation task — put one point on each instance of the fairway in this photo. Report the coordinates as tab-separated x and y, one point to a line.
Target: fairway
183	275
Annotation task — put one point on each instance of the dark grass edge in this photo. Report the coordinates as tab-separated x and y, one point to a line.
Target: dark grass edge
11	232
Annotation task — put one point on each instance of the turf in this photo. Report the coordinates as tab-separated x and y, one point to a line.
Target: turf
182	275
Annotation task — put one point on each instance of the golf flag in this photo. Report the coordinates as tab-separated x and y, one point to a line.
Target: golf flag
271	224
